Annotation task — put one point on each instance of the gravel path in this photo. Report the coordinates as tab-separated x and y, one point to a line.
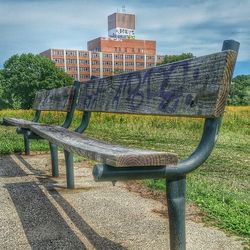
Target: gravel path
38	212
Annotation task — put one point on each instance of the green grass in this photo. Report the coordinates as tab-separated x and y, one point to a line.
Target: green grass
220	187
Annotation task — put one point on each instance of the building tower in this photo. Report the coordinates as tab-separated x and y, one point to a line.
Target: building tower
121	25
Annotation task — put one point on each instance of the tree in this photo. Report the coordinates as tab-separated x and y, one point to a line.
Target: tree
240	91
2	101
24	75
175	58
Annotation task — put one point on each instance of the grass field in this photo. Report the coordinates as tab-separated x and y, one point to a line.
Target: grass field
220	187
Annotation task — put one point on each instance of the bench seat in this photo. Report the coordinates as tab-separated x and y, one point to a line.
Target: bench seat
18	122
110	154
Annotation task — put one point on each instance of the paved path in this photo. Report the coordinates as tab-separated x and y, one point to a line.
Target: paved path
38	212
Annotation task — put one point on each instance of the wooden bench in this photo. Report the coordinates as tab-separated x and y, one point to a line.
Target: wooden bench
60	99
195	87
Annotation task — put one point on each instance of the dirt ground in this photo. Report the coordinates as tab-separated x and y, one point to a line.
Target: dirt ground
39	212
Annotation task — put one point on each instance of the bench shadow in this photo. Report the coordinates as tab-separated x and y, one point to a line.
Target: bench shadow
9	168
28	191
43	225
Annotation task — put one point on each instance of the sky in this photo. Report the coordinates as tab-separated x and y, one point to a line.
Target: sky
178	26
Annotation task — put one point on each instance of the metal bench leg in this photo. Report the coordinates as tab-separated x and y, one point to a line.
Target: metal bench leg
176	191
54	159
69	169
26	144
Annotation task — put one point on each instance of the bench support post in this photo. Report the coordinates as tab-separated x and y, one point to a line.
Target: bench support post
69	169
26	143
54	159
176	192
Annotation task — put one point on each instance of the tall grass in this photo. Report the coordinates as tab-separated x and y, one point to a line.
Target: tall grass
220	187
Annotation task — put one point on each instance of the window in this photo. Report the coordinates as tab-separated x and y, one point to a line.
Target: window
139	57
118	56
140	64
71	61
74	76
58	60
107	55
129	56
118	63
84	68
129	70
129	63
95	70
83	54
84	61
58	52
95	62
71	68
107	63
95	55
70	53
107	70
84	76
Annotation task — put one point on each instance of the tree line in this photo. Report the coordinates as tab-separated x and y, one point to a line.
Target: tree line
23	75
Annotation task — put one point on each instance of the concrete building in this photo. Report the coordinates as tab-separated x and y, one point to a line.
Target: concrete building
120	52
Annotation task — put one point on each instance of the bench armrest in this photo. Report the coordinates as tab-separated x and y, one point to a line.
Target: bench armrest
205	147
103	172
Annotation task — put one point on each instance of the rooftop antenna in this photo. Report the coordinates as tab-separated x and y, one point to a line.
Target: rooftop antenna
123	9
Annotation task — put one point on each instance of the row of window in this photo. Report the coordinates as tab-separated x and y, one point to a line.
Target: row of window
107	70
133	50
84	76
58	60
107	63
141	64
73	61
105	55
86	69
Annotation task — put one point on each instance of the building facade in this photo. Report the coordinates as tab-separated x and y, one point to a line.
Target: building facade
107	56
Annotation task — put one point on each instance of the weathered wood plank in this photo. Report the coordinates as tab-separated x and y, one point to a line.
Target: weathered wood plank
55	99
18	122
110	154
195	87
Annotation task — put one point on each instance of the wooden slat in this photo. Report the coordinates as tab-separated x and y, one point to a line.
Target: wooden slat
18	122
110	154
59	99
195	87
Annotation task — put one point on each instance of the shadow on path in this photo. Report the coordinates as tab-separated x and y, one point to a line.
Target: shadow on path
9	168
43	224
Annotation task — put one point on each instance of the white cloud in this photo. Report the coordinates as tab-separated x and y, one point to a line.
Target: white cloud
197	26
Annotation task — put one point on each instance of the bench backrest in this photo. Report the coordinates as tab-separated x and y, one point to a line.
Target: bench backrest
60	99
195	87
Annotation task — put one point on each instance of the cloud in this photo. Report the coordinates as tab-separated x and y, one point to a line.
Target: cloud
196	26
